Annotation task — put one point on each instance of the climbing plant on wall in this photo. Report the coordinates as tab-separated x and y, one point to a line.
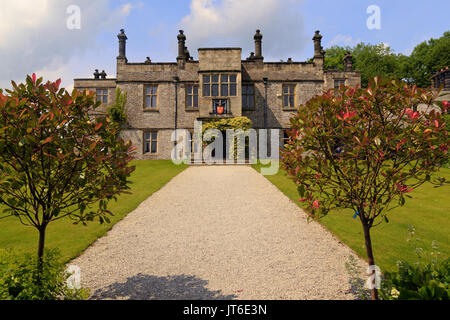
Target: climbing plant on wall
237	123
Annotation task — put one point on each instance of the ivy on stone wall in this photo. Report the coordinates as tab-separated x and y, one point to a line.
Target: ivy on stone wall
243	123
237	123
117	111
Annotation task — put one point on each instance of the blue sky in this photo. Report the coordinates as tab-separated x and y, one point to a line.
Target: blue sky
37	39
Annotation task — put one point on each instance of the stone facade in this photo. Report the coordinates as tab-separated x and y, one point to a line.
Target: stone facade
441	79
172	81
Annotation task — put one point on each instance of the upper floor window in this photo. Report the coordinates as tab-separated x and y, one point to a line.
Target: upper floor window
102	96
289	95
151	97
248	97
338	83
151	142
223	85
191	96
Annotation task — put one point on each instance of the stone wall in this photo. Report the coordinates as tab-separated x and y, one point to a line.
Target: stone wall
352	78
309	79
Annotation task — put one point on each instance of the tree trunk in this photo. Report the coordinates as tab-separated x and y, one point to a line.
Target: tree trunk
41	242
40	254
370	258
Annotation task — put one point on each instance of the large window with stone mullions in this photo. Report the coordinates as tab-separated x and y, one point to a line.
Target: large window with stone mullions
248	97
219	85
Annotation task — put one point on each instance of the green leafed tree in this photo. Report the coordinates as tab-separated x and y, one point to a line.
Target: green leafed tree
366	150
334	57
371	60
379	60
428	58
56	161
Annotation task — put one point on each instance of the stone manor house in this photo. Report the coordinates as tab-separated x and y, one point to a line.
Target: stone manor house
163	96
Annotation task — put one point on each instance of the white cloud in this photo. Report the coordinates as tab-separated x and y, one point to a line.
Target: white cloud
233	23
343	40
35	37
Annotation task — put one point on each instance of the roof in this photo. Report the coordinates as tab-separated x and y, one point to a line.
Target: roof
229	48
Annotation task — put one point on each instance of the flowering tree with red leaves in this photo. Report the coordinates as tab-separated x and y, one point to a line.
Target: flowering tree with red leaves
366	150
55	161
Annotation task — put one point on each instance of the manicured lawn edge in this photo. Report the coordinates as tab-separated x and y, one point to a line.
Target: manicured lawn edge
149	177
428	212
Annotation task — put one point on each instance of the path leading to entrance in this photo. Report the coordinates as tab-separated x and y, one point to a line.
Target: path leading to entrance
220	232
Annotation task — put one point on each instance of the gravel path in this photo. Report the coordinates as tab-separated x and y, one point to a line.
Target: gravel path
220	232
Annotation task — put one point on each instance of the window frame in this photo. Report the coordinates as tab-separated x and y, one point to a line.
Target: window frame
194	147
151	95
220	85
286	138
190	96
104	94
150	141
289	94
340	81
246	95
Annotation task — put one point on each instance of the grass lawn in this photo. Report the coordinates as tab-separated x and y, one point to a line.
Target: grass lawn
428	212
149	176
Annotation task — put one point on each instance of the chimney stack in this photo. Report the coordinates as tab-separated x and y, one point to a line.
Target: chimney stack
318	49
122	45
181	59
348	62
319	53
258	45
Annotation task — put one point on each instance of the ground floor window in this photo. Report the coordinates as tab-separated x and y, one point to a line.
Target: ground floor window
194	146
338	83
286	137
151	142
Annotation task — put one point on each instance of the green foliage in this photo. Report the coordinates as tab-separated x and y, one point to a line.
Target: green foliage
358	149
420	280
55	160
243	123
429	57
19	278
238	123
14	235
446	118
375	60
371	60
379	60
357	285
334	57
366	150
117	111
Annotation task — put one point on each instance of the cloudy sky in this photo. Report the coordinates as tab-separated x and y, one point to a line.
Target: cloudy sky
43	36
